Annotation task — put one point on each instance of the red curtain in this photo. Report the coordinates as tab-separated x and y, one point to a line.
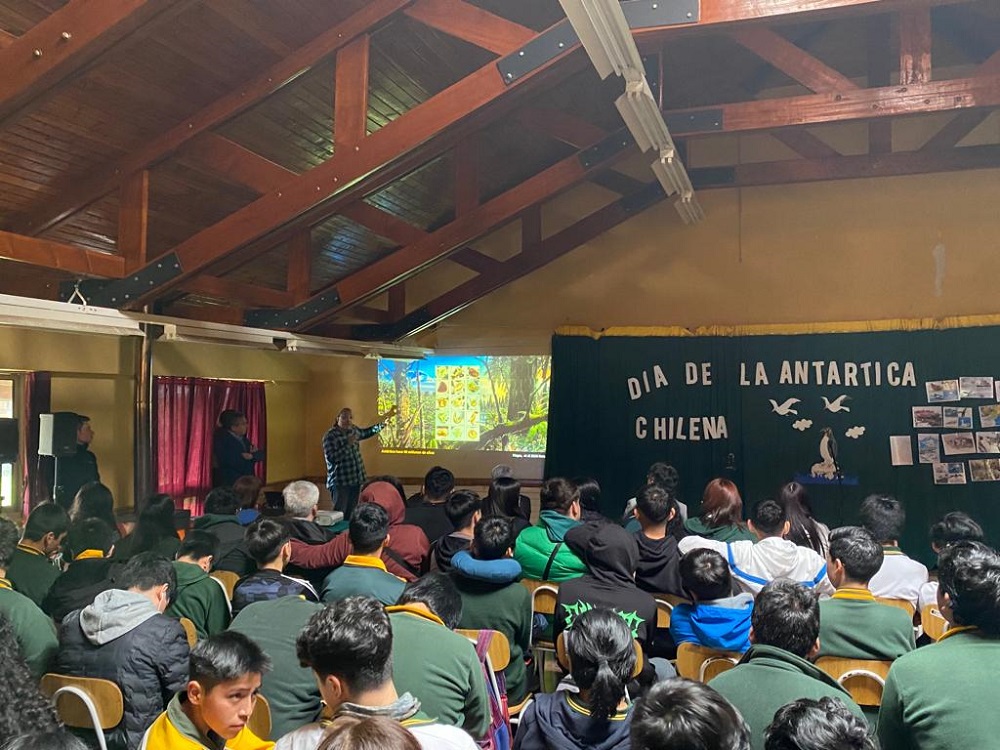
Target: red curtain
35	469
186	415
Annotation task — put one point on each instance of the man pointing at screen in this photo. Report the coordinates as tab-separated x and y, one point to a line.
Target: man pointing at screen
345	469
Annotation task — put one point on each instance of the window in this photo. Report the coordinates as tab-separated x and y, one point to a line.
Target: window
7	410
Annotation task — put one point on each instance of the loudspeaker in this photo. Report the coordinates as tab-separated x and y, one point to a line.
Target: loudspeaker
10	440
57	434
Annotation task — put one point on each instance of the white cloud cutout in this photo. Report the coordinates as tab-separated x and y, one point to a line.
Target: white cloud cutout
855	432
802	424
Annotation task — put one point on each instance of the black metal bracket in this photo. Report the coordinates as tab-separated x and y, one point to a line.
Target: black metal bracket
699	121
645	14
285	319
117	293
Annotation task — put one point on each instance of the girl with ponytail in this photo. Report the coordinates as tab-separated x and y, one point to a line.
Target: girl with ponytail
600	654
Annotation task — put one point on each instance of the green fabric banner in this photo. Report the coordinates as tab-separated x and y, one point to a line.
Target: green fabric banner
822	409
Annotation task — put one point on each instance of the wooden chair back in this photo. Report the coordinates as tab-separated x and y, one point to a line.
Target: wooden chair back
563	655
933	623
864	679
190	631
228	579
85	703
903	604
498	650
697	662
260	720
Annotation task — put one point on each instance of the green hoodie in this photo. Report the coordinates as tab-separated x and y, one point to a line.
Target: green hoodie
767	678
695	527
535	545
200	599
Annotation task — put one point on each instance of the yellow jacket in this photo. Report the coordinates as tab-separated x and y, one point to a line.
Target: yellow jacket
164	734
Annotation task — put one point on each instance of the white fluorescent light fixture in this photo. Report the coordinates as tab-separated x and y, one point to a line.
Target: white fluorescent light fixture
25	312
345	348
642	116
194	332
604	33
688	208
670	173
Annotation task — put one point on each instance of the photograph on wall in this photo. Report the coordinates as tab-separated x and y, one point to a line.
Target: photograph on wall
929	449
988	442
927	416
901	450
989	416
943	390
959	443
976	388
984	469
949	473
958	416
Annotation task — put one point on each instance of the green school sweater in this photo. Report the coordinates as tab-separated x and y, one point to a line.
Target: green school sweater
943	695
440	668
766	679
290	688
362	575
855	626
505	608
34	629
31	573
200	599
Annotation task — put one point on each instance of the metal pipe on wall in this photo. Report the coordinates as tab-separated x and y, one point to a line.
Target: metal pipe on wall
143	428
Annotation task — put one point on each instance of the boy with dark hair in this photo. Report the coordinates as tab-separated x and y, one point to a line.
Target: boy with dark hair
824	724
502	606
225	673
754	564
447	678
221	506
428	512
463	508
778	667
684	715
900	576
658	555
349	647
124	637
715	618
541	549
953	527
363	572
268	541
90	544
199	597
853	624
34	631
31	570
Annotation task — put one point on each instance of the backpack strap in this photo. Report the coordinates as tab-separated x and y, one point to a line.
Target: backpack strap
552	559
402	561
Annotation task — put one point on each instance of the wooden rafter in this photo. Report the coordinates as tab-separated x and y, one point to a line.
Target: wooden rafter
77	194
236	163
804	143
880	65
6	38
466	175
55	255
299	280
958	128
560	125
383	223
133	220
474	260
397	301
915	45
350	107
241	294
792	60
471	24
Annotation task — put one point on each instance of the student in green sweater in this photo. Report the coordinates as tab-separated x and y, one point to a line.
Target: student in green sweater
363	572
34	630
541	549
433	663
944	695
199	597
31	570
778	667
853	624
504	607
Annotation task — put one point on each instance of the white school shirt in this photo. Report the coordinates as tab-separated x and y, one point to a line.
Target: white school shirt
430	736
900	577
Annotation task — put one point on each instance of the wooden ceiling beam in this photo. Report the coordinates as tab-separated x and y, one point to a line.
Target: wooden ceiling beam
383	223
6	39
471	24
397	301
133	220
240	293
958	128
805	144
467	187
236	163
55	255
299	280
559	125
350	94
792	60
76	193
880	65
915	45
474	260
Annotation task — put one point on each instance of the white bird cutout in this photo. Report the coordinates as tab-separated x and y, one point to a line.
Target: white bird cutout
837	404
785	408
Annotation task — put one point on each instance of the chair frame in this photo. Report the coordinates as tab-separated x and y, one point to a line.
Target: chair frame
85	698
855	668
708	656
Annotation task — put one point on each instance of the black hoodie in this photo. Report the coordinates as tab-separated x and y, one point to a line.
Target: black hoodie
561	721
445	548
611	555
659	565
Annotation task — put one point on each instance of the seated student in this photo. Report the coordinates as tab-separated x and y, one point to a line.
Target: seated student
124	637
90	546
687	715
463	508
57	738
199	597
94	500
369	733
658	555
153	532
212	711
23	708
771	557
504	607
35	633
221	506
31	570
589	490
944	695
505	499
824	724
804	530
666	477
364	573
900	577
852	624
269	544
721	517
953	527
715	618
541	549
349	646
778	667
249	489
301	501
601	659
447	679
407	555
428	512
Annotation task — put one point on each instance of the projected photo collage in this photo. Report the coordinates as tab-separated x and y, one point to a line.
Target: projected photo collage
457	415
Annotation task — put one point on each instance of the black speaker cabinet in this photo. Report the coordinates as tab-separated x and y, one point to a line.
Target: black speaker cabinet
10	441
57	434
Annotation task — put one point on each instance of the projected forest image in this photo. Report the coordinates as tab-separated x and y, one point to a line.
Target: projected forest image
466	403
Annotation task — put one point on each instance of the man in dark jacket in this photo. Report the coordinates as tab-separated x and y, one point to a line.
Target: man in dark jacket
72	472
221	507
268	542
124	637
659	559
90	543
301	500
464	509
428	512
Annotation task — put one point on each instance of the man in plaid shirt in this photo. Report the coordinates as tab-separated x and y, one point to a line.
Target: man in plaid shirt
345	469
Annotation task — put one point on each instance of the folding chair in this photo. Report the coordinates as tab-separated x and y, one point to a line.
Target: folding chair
260	719
190	631
864	679
495	658
697	662
228	579
934	624
543	602
85	703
